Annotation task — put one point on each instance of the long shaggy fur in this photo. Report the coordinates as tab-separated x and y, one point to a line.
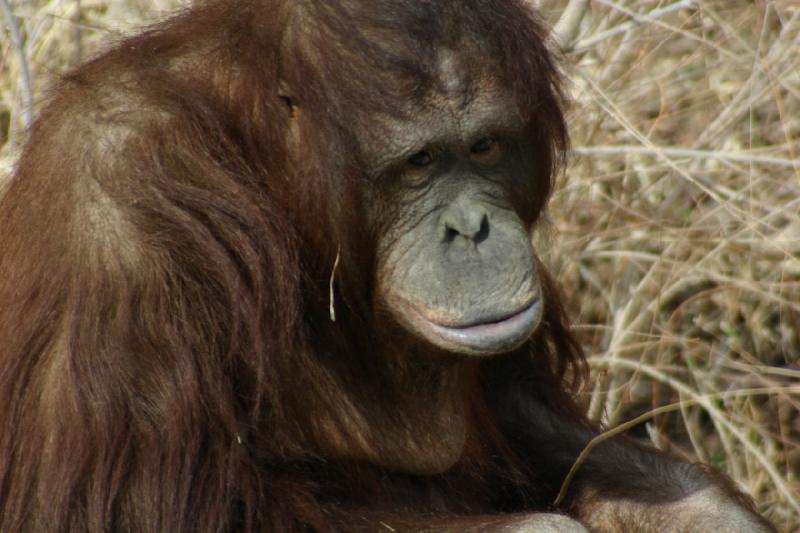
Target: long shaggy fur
164	271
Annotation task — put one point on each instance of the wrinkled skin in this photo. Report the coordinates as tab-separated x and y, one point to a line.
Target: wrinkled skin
457	267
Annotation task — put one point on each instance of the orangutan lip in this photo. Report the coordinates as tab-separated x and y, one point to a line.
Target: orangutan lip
505	322
492	335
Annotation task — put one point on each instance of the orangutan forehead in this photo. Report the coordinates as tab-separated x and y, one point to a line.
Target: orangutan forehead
451	73
465	113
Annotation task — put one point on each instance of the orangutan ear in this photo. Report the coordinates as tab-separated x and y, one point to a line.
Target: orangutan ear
285	94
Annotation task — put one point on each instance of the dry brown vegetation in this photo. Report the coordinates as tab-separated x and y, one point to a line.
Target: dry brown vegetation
677	224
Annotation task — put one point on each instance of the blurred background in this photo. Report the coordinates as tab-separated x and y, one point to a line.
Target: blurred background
675	228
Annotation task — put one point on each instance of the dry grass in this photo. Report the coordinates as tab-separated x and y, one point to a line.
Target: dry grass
677	224
679	230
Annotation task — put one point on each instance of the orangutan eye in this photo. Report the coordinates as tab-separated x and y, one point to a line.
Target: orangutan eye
485	145
421	159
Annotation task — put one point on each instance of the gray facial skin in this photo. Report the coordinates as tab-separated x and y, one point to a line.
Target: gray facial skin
458	267
463	275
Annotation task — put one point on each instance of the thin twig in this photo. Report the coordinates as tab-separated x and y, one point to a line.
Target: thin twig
685	153
25	73
77	33
566	29
653	413
589	42
330	288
